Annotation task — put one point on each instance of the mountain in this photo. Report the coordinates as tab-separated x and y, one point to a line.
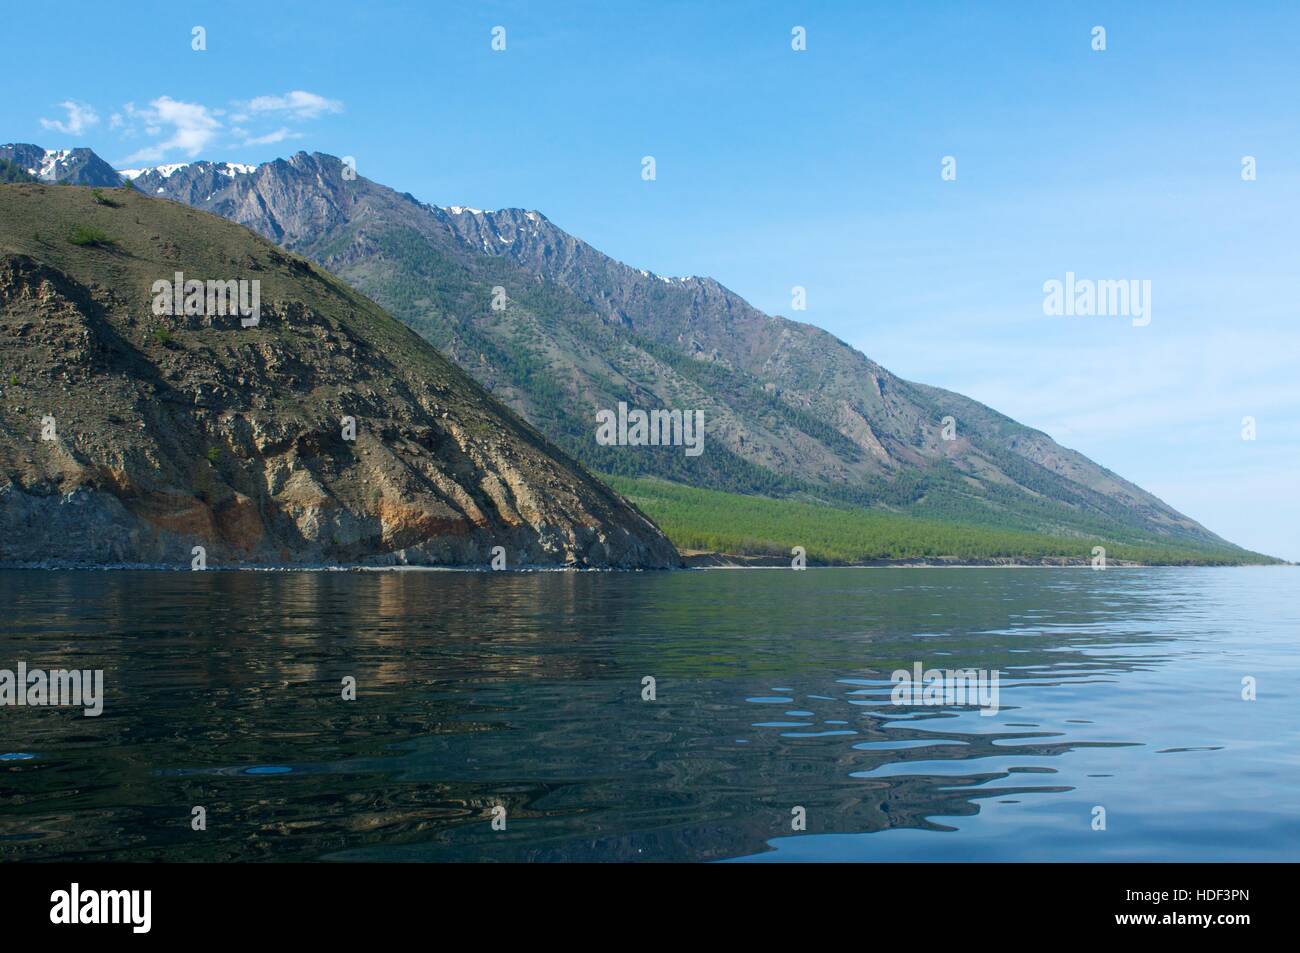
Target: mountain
790	410
191	183
65	166
129	437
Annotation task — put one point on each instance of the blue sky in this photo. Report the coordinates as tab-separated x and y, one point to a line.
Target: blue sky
819	168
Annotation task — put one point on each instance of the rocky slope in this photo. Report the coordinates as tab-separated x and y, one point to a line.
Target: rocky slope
132	437
790	410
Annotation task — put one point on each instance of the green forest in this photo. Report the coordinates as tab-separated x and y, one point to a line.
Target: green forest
714	521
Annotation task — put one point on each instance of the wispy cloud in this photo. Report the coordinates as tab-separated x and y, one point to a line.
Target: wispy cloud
176	128
297	104
279	135
80	118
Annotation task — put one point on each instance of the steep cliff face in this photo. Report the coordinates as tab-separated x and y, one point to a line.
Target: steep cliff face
328	433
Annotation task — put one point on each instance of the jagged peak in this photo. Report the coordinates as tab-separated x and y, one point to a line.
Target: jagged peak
528	213
166	171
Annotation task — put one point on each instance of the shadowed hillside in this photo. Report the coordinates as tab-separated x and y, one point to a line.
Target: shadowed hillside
130	437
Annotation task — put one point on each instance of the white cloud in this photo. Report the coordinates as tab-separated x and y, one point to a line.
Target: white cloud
279	135
298	104
80	118
192	127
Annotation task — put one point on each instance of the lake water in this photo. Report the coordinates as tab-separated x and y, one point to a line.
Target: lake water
1119	690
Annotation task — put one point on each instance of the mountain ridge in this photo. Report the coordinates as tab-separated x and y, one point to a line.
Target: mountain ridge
79	166
791	410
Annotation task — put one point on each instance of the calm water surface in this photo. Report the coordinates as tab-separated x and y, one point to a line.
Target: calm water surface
1119	689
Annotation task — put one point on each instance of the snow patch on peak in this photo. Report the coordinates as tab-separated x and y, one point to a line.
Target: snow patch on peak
49	164
470	210
166	171
228	169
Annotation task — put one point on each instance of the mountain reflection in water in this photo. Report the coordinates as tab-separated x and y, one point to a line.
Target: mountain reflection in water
1119	689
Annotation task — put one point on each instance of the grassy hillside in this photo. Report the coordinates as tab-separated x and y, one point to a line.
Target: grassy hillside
710	520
